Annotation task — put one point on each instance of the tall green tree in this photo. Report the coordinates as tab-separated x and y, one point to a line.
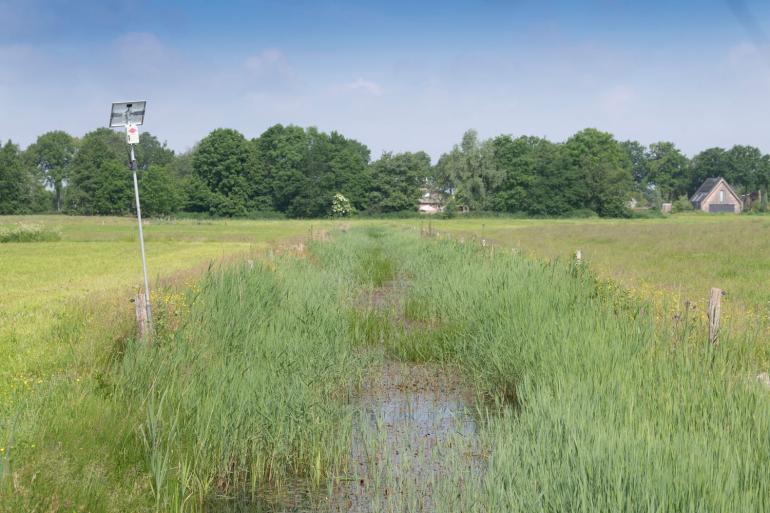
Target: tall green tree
283	151
529	165
306	168
745	169
227	164
349	172
709	163
333	164
159	192
52	155
18	188
100	180
151	152
396	181
599	173
639	157
668	169
470	171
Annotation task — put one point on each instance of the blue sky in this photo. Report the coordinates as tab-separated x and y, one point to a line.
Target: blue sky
395	75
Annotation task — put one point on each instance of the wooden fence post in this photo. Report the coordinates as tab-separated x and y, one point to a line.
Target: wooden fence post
714	311
140	304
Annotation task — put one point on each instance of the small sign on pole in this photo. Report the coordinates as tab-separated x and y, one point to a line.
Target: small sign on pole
132	134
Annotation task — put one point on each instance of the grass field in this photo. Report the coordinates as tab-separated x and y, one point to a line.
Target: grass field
682	256
586	400
97	260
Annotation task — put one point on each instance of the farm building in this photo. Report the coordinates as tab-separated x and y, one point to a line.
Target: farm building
716	195
430	203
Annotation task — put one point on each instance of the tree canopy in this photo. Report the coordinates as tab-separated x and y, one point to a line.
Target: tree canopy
52	155
298	172
19	193
396	181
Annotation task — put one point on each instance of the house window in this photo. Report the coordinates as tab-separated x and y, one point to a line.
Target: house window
721	196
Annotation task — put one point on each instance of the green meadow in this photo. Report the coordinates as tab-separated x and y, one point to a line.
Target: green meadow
96	262
582	396
681	256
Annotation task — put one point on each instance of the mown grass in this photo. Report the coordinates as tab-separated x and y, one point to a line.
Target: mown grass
46	285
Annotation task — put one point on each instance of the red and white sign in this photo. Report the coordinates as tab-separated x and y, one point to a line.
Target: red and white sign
132	134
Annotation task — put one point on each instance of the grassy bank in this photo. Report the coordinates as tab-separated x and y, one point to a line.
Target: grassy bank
66	322
51	289
245	388
588	400
608	409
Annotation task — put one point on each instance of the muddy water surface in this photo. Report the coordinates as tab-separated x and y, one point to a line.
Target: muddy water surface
414	442
413	439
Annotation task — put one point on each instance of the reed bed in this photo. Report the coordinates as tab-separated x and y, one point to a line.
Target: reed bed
251	391
587	400
604	408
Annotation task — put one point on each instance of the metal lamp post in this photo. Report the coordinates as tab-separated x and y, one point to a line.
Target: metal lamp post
130	115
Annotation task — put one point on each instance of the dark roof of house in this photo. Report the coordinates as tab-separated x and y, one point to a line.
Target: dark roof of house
708	186
705	189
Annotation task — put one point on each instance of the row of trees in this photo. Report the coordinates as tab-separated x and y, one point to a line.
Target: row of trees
589	171
532	175
287	170
297	172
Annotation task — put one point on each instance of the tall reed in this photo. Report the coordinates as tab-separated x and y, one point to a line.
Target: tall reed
604	408
251	390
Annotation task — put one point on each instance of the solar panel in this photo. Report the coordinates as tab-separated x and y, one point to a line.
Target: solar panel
124	113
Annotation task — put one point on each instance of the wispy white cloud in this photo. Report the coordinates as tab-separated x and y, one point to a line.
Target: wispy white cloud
360	85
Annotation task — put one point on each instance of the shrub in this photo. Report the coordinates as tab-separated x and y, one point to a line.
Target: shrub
29	232
681	205
341	206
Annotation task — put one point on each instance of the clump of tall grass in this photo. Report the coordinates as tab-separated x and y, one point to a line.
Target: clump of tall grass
251	390
602	409
29	232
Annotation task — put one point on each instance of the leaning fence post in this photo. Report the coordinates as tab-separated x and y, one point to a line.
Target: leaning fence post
140	304
714	311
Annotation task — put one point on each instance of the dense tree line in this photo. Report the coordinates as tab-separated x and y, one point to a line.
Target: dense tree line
298	172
